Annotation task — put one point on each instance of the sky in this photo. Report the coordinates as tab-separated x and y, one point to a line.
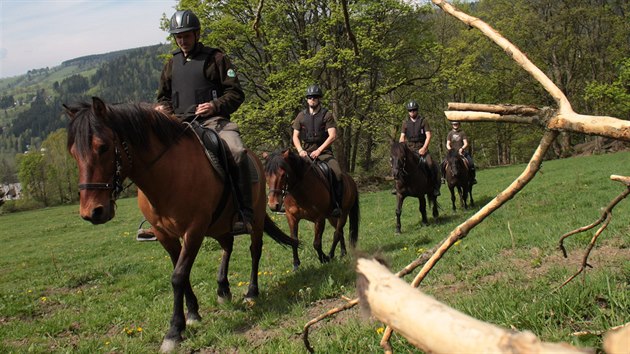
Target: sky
35	34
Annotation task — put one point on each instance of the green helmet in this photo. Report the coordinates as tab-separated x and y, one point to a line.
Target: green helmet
412	105
184	21
314	90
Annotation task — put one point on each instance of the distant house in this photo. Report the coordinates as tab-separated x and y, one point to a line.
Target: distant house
11	191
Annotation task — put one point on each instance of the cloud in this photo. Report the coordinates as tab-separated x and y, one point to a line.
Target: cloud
43	33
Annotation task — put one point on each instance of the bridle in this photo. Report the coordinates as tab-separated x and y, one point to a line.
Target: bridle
283	191
398	169
116	185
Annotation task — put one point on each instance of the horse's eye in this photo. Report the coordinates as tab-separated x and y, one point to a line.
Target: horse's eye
103	149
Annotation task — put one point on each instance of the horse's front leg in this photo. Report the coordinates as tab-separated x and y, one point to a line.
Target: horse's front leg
470	188
399	205
452	189
462	196
422	206
223	289
180	280
317	241
294	224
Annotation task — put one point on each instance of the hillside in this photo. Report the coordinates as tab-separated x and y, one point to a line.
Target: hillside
31	103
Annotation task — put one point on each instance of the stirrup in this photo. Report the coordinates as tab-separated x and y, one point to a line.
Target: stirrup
242	226
145	235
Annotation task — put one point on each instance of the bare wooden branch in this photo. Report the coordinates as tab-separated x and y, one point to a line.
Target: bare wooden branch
256	24
604	219
436	328
508	109
618	340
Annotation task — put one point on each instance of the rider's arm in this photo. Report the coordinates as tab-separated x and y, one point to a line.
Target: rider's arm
464	146
425	147
332	136
297	143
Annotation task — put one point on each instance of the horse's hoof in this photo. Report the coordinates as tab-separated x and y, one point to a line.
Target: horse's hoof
193	319
169	345
249	301
398	232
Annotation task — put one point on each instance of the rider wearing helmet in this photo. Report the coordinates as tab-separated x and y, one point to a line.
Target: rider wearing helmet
200	83
416	133
314	131
457	140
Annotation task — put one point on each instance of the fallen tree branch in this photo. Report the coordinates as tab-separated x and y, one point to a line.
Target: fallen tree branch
604	219
436	328
618	340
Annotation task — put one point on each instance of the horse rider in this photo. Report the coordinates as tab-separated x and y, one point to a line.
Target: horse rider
416	133
200	82
314	131
457	140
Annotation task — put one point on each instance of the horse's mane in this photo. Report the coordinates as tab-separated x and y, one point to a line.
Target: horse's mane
399	149
132	122
295	163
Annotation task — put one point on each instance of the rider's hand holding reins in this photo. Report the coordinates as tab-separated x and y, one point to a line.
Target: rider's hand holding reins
205	109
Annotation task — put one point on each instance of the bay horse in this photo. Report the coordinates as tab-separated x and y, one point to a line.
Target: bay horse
458	176
412	180
179	192
298	186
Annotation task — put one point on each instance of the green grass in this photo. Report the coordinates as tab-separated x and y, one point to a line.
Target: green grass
69	286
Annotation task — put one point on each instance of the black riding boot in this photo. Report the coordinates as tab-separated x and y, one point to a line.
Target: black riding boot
244	197
338	198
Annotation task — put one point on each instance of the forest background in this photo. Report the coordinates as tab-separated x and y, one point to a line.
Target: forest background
394	52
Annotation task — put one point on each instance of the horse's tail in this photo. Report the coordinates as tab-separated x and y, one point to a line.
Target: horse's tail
354	220
272	229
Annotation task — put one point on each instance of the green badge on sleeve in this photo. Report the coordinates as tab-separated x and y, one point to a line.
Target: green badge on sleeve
231	73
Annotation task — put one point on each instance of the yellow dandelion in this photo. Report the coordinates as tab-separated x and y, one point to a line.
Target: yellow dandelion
139	329
29	291
43	299
458	242
380	330
106	343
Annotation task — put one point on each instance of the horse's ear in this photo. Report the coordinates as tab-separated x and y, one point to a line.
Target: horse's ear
69	111
99	107
285	153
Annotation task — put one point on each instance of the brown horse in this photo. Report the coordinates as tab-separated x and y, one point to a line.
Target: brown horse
412	180
180	194
298	186
457	175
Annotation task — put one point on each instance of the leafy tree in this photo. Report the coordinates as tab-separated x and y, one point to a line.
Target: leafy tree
61	169
32	175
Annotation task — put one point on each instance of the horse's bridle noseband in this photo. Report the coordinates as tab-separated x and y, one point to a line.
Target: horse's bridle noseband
116	186
283	191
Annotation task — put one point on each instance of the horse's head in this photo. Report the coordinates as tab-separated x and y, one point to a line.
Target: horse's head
454	163
277	173
93	144
398	160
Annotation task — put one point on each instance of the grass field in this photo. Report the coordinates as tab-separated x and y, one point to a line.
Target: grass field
69	286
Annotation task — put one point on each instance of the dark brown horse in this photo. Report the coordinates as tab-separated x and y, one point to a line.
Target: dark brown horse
180	194
298	186
412	180
458	176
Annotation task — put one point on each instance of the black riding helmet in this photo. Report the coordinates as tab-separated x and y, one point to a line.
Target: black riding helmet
184	21
411	105
314	90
